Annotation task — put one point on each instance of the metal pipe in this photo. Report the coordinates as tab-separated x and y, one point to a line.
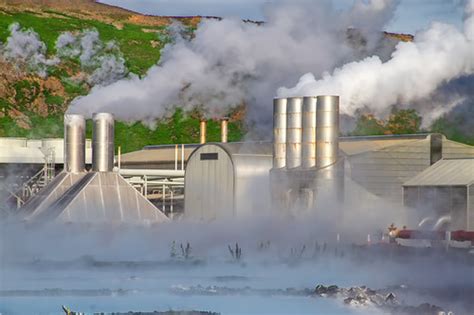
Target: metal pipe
327	130
224	129
308	155
74	143
293	132
425	221
279	132
182	157
460	236
203	129
444	220
151	172
176	157
103	142
119	157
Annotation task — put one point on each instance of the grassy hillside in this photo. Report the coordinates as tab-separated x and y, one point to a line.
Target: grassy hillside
31	106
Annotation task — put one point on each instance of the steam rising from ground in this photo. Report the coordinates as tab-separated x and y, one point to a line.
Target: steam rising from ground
415	71
229	61
105	60
26	47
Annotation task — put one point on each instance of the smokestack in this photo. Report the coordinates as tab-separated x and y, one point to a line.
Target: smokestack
308	155
103	142
293	132
327	130
224	129
203	127
279	132
74	143
436	148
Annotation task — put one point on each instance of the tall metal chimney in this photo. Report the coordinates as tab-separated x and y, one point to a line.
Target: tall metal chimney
74	143
308	155
327	130
279	132
224	129
293	132
202	127
103	142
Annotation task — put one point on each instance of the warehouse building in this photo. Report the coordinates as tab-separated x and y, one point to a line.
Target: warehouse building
227	179
445	193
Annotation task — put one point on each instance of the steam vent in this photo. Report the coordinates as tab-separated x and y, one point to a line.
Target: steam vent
99	195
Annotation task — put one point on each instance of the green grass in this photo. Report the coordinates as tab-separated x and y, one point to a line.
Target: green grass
133	42
130	137
139	54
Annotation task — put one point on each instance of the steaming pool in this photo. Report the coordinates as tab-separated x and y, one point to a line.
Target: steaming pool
122	270
135	290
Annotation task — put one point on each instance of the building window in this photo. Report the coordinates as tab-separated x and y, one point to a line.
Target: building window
209	156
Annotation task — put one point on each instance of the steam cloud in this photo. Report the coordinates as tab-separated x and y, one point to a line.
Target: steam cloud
415	71
25	46
104	60
229	61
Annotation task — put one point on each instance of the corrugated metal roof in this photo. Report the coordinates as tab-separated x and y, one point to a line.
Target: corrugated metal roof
447	172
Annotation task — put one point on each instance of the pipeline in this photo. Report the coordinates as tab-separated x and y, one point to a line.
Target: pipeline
460	235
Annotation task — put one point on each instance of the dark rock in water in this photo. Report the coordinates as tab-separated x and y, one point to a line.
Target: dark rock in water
389	298
323	290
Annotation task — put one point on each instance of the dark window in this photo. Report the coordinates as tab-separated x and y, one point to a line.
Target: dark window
209	156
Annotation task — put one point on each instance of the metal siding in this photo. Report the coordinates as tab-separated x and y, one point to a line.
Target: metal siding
470	208
459	208
382	172
252	183
456	150
456	172
109	198
209	185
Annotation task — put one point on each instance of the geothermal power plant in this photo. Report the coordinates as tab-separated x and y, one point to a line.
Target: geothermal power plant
307	168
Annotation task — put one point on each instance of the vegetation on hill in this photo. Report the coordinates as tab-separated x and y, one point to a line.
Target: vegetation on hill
33	106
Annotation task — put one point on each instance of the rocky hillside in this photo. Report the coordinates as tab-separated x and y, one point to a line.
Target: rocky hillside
36	88
52	51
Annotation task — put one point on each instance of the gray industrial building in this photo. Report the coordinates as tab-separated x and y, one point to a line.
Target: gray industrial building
222	180
445	192
376	167
309	166
81	196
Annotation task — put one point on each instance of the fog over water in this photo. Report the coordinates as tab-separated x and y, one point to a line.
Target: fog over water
121	268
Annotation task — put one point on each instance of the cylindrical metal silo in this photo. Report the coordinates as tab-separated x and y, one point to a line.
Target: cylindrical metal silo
103	142
279	132
74	143
327	130
308	155
202	131
294	131
224	129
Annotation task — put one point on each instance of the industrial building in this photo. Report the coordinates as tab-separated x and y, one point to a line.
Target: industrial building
99	195
309	166
28	165
223	180
445	193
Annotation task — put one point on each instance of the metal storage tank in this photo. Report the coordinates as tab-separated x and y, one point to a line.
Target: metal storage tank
227	179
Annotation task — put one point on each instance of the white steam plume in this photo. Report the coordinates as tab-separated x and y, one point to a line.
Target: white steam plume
229	61
104	60
25	46
415	71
